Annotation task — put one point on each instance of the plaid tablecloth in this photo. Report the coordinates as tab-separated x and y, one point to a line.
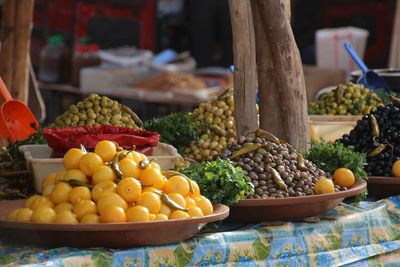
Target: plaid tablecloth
363	234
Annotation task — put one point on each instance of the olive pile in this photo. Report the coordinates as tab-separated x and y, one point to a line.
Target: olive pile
275	168
346	99
378	135
216	117
97	110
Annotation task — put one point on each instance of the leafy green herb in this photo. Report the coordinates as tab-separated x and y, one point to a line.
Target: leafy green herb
13	147
220	181
177	129
385	96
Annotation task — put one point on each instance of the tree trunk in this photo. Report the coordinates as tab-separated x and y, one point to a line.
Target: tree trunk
245	66
285	73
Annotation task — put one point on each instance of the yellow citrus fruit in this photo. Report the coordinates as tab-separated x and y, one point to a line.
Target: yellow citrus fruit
138	213
344	177
110	199
84	207
178	198
89	163
129	168
154	165
48	190
195	188
103	188
76	174
63	206
152	217
161	217
60	176
324	186
106	150
205	205
79	193
136	156
42	202
72	157
129	189
152	177
60	192
396	168
90	218
49	180
177	184
103	173
164	209
43	215
24	215
113	214
151	201
190	202
11	215
150	189
178	214
30	200
195	212
66	217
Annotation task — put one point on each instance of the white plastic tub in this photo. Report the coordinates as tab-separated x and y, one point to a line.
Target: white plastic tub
39	163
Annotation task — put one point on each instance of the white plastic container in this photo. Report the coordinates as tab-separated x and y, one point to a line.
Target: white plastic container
39	163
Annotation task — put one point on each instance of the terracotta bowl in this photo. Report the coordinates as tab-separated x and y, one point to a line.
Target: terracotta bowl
383	187
113	235
257	210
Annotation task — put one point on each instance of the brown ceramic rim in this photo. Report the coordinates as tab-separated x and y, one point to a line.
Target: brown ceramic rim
383	180
220	213
359	187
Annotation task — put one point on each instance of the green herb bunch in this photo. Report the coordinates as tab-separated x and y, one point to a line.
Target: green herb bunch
220	181
13	147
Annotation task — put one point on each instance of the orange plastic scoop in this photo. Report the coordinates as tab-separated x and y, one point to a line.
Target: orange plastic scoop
16	120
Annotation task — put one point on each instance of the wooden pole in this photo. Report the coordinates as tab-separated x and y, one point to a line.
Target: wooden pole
285	72
23	27
7	42
245	66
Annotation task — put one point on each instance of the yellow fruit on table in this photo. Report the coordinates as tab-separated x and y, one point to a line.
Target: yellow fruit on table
195	188
396	168
48	190
43	215
152	177
24	215
129	168
161	217
106	150
90	218
30	200
155	165
205	205
79	193
66	217
111	199
190	202
103	173
164	209
60	192
113	214
138	213
151	201
195	212
150	189
152	217
76	174
344	177
60	176
72	157
129	189
177	184
89	163
63	206
11	215
42	201
178	214
136	156
103	188
83	208
324	186
178	198
49	180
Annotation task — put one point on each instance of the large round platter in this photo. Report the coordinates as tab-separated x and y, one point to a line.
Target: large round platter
278	209
113	235
383	187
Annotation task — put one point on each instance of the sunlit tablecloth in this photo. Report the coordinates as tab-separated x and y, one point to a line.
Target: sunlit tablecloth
365	234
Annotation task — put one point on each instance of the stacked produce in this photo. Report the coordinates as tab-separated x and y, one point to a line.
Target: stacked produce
346	99
111	185
277	170
176	82
98	110
377	134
